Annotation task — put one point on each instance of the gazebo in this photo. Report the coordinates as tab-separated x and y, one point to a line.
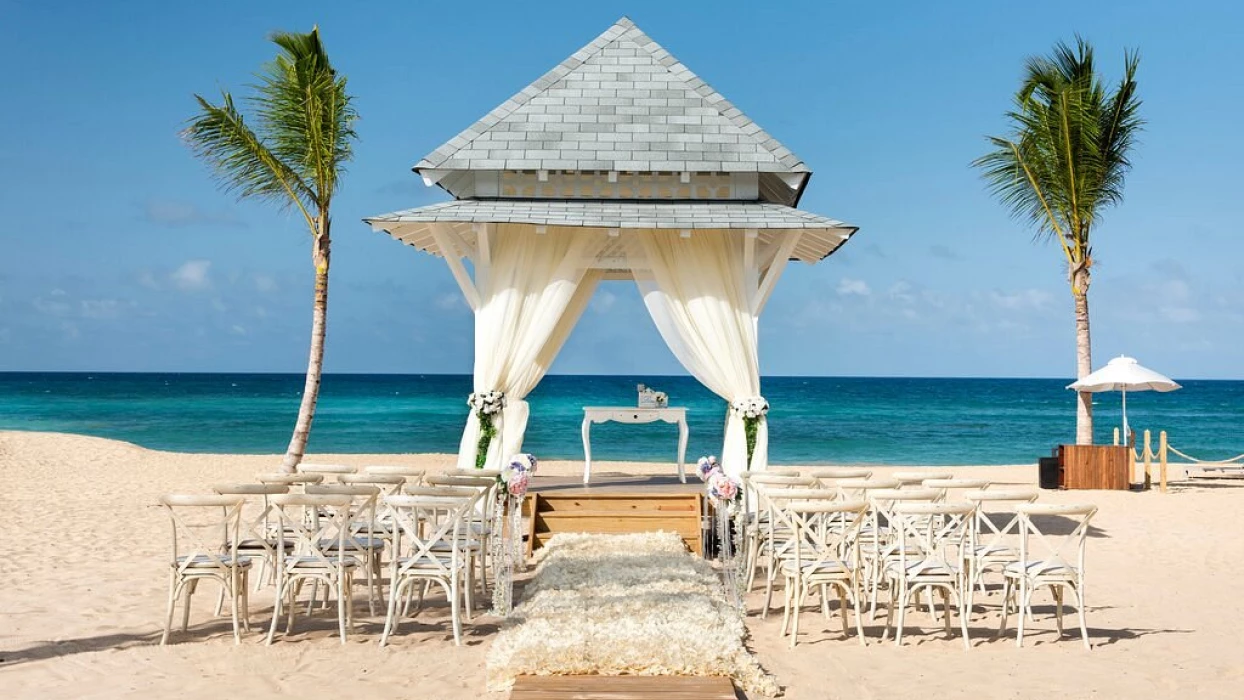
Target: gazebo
619	163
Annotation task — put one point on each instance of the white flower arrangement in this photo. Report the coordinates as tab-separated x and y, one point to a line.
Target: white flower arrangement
753	408
486	403
723	488
624	604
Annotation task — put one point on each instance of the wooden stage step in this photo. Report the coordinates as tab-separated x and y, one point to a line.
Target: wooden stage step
617	511
622	688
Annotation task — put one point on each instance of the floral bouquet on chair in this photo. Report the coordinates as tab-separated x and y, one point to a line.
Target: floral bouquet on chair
486	405
508	551
726	495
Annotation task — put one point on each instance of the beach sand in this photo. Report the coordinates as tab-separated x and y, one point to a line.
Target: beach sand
83	592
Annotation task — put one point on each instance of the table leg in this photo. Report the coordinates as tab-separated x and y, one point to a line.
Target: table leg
682	449
587	451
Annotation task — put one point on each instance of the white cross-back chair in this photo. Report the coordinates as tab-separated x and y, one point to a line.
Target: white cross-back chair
780	534
362	541
824	554
1048	561
205	546
931	538
781	471
485	473
427	519
318	524
761	537
258	535
879	541
994	535
856	488
829	475
478	533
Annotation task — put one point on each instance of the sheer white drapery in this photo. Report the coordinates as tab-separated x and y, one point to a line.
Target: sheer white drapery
532	291
701	292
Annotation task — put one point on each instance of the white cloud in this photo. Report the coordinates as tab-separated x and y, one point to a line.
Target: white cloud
148	280
603	301
901	291
448	302
849	287
1179	314
51	307
100	308
1026	299
265	283
192	275
237	330
167	212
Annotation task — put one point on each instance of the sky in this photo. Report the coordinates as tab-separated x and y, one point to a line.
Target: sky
119	253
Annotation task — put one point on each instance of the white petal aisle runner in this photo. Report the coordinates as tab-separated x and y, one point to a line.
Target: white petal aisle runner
624	604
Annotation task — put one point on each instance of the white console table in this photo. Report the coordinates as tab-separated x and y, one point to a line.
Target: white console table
632	415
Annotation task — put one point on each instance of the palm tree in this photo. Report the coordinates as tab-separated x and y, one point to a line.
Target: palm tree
294	155
1063	164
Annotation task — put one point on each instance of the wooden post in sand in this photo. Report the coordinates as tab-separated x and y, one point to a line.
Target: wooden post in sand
1162	458
1116	437
1148	456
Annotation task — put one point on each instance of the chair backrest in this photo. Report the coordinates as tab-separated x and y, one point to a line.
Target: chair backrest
425	519
833	473
484	473
916	478
295	481
388	484
446	480
259	525
781	471
1061	548
363	509
306	468
995	525
780	480
414	475
860	488
931	536
205	530
825	532
953	489
317	524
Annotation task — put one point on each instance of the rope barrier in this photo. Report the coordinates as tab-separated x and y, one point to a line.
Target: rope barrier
1233	462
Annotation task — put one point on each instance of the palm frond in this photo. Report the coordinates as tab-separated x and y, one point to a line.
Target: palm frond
1067	154
241	161
305	112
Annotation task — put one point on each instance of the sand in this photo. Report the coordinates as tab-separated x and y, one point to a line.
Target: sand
82	597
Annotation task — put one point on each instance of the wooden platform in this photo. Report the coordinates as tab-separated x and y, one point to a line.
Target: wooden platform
622	688
616	505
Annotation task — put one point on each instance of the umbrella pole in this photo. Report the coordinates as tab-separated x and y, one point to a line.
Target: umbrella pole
1127	436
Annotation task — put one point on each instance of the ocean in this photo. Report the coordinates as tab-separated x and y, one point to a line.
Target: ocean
839	420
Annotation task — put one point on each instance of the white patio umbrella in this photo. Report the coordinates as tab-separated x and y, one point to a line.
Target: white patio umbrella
1124	374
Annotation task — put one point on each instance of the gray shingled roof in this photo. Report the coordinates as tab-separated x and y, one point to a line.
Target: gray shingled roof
616	214
620	103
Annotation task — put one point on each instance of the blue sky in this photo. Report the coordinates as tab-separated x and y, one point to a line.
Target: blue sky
117	252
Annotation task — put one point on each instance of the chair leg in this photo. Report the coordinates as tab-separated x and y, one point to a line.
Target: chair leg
1025	603
342	602
390	619
787	601
172	605
454	609
1078	592
904	599
232	585
859	616
1058	608
276	609
1007	591
246	600
469	590
842	609
187	590
889	614
797	594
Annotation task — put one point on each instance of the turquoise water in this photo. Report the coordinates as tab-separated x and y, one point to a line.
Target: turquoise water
813	419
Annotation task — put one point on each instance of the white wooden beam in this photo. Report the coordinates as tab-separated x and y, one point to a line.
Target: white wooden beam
483	250
453	257
769	281
749	248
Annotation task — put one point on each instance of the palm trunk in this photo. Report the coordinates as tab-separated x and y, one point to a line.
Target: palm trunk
1084	356
315	364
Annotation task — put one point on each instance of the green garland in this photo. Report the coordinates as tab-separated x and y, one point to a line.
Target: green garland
487	431
750	426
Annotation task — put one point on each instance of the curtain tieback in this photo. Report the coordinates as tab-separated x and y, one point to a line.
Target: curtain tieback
486	403
750	408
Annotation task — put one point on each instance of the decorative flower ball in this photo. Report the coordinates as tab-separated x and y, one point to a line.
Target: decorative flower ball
521	464
721	487
518	484
705	466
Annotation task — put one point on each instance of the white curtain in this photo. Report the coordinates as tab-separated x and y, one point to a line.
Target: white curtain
531	295
702	297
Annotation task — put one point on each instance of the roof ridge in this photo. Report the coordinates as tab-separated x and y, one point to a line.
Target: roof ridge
623	28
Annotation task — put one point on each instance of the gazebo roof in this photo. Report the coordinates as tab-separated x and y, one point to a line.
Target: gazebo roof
621	103
819	237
